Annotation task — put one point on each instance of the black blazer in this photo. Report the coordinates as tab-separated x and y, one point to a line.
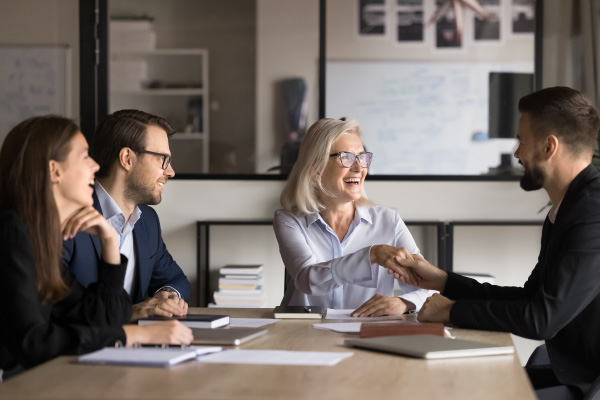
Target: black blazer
560	302
32	333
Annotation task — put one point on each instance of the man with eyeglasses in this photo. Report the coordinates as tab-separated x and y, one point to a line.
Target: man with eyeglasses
132	149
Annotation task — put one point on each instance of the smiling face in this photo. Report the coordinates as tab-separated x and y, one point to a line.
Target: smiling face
529	155
144	184
345	185
73	178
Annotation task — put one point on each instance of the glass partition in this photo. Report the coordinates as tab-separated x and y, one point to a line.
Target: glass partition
421	81
241	80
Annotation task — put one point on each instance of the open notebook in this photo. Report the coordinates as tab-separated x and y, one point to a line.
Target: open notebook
429	346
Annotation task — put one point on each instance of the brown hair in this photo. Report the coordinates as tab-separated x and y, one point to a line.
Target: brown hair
25	188
566	113
124	128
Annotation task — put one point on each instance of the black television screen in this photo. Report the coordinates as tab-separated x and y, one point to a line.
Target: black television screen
506	89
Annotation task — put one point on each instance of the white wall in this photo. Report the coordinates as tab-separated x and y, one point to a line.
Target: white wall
287	39
34	22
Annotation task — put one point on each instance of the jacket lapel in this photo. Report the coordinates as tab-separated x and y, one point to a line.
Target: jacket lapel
141	240
94	238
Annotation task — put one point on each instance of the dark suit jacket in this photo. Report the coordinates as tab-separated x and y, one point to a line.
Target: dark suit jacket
87	319
155	266
560	302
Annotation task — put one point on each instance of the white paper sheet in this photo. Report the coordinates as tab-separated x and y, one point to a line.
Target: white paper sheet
342	327
276	357
345	314
251	322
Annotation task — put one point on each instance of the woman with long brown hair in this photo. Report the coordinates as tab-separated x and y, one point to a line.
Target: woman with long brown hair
46	183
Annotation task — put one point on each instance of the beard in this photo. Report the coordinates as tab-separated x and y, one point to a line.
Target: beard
533	178
138	191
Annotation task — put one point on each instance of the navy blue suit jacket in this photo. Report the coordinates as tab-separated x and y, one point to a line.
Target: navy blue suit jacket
155	266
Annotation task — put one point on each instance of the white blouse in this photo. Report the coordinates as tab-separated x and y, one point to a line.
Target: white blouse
324	272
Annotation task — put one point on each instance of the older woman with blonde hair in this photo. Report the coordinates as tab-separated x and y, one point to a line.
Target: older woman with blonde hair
335	244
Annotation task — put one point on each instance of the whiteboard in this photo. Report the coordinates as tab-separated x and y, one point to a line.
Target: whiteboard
34	80
420	118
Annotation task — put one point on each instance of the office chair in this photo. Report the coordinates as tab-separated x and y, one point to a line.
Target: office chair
540	357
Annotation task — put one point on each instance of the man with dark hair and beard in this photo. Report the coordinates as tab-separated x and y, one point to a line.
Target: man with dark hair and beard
560	302
132	149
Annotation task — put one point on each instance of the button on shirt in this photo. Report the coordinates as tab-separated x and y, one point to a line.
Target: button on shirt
114	215
334	274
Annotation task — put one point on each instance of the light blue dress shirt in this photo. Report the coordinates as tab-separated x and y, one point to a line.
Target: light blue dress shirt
113	214
331	274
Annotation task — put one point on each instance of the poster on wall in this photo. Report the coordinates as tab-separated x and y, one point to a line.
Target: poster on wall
371	17
446	29
409	21
523	16
487	26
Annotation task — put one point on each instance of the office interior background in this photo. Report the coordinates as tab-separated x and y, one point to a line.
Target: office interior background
253	45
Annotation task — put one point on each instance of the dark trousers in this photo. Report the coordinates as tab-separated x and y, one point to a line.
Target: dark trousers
547	386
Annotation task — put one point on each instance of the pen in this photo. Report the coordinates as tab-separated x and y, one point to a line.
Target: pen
307	309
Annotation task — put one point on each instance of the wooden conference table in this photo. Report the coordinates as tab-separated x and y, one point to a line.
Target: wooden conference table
366	375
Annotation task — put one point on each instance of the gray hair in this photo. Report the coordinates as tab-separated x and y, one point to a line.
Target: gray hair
303	188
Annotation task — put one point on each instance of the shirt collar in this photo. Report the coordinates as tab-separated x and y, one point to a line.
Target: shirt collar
362	213
554	210
110	208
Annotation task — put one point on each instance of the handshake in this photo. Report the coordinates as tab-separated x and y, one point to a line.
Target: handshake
412	269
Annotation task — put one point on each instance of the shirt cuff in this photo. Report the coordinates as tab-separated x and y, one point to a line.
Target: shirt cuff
168	289
417	297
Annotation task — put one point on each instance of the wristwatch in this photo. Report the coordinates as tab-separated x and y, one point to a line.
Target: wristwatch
168	289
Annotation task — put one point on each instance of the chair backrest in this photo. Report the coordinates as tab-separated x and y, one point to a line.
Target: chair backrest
594	391
538	357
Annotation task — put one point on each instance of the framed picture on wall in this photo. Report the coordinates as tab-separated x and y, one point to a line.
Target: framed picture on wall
488	27
409	21
523	16
371	17
446	31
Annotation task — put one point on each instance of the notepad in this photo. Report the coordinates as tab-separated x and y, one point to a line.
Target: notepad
145	357
190	320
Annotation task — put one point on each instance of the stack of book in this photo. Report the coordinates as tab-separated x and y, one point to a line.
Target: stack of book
241	286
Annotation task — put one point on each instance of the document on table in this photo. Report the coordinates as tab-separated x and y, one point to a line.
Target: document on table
345	314
276	357
342	327
251	322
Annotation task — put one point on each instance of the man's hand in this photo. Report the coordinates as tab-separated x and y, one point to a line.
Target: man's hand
436	309
387	257
379	305
163	303
426	275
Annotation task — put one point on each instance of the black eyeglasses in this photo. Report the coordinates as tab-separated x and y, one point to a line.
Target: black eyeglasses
348	159
166	158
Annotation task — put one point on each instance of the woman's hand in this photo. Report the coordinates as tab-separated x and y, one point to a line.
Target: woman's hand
379	305
388	256
89	220
170	332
